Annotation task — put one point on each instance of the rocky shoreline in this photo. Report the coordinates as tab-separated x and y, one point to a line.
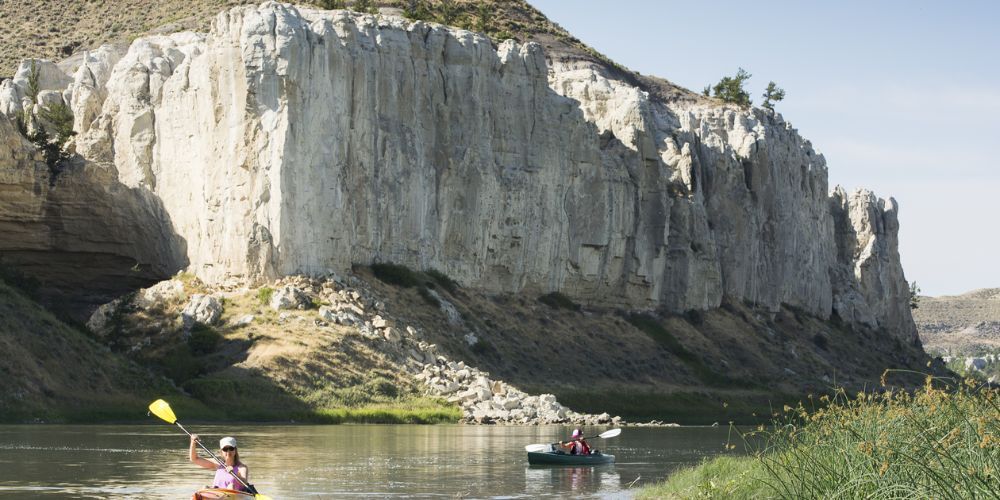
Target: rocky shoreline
349	302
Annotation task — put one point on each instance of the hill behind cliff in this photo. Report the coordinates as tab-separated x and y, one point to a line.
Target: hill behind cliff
50	30
960	324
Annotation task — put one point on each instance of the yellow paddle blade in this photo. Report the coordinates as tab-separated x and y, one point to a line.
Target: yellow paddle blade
261	497
161	409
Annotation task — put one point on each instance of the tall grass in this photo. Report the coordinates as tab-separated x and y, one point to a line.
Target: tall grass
942	441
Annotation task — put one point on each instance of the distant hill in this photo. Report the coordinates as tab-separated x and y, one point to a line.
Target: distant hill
960	324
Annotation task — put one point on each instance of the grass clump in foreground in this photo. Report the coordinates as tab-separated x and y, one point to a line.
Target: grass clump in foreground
942	441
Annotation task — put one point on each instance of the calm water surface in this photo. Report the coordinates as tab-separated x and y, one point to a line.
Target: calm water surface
338	461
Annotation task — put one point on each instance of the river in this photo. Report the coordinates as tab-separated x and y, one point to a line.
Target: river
339	461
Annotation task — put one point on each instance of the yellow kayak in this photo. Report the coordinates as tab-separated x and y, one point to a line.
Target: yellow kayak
221	494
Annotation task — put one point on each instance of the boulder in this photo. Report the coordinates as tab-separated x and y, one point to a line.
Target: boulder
327	314
244	321
204	309
160	293
288	297
99	322
391	335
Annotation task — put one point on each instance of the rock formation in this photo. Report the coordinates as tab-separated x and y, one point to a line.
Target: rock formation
290	140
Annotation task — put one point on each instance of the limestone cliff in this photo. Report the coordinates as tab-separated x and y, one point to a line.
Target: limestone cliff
291	140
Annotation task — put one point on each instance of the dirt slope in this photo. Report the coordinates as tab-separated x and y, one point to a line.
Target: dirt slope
52	372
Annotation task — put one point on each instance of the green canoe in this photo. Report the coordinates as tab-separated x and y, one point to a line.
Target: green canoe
556	458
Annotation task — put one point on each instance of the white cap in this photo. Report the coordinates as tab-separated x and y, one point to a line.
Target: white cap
227	441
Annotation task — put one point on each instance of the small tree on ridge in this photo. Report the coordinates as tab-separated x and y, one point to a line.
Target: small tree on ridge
730	89
772	94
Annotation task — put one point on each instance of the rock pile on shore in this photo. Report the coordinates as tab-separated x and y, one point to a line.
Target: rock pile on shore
483	400
332	300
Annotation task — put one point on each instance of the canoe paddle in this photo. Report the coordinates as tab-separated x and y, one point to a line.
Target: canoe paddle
161	409
542	447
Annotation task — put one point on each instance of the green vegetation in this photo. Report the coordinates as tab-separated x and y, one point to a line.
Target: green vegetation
433	414
376	400
61	118
26	284
331	4
772	94
203	339
264	295
914	295
474	16
92	384
730	89
58	116
366	6
483	348
395	274
417	10
442	280
557	300
990	370
942	441
402	276
428	297
178	363
652	327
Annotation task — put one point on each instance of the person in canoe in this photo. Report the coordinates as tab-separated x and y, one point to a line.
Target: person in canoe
223	473
577	445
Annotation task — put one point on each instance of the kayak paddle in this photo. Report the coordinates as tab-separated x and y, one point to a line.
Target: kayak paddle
542	447
161	409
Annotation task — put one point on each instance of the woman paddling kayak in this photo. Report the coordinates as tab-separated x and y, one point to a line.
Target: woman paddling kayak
223	473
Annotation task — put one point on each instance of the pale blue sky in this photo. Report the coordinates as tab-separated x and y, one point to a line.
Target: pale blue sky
902	97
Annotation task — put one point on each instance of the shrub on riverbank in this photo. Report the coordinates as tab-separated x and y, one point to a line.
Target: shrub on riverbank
938	442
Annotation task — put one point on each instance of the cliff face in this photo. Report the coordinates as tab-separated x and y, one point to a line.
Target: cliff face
288	140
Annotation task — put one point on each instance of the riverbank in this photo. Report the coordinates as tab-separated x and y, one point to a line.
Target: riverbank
940	442
390	345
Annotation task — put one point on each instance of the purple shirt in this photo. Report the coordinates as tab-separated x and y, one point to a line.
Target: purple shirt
223	479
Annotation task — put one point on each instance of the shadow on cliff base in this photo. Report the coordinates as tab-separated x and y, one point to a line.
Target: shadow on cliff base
92	240
736	362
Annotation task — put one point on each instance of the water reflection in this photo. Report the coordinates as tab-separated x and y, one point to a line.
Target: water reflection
541	480
359	461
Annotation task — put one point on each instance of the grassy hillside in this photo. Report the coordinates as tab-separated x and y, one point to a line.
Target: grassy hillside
56	30
699	367
732	363
280	365
52	372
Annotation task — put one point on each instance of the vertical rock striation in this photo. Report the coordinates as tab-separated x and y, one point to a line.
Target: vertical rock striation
289	140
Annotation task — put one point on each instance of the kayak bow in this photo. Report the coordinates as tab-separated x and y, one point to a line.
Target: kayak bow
221	494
